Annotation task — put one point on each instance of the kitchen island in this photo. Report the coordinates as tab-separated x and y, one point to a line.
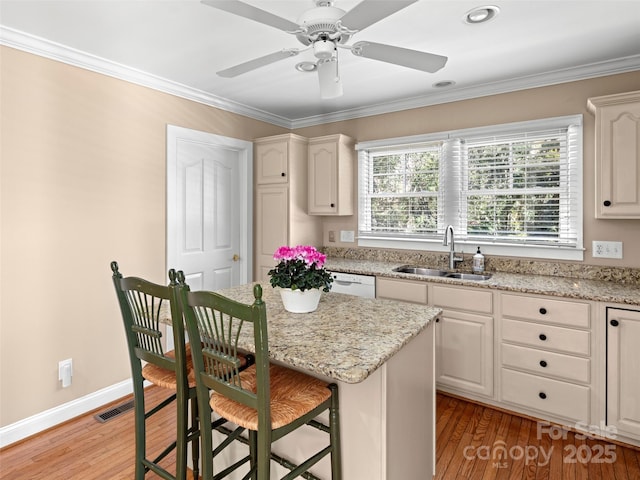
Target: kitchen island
381	355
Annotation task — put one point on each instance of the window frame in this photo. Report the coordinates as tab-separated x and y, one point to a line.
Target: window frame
434	242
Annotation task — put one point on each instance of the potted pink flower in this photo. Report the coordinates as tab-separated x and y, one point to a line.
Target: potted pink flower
300	273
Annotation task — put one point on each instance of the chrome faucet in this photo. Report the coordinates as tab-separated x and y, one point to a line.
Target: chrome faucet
452	251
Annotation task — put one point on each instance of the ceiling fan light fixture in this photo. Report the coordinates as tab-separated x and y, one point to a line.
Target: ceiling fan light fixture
324	49
329	78
481	14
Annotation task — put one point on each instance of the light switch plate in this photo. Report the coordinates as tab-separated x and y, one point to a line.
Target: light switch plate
347	236
606	249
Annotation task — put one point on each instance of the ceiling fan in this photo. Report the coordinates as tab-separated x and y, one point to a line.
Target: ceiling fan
324	29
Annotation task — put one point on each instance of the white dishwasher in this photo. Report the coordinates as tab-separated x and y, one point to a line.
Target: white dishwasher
354	284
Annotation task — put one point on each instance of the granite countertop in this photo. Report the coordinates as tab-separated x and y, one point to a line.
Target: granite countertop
585	289
347	338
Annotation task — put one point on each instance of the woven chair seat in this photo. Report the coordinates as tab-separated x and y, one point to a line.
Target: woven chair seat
166	378
293	394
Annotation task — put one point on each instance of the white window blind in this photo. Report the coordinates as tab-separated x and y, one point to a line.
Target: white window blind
514	184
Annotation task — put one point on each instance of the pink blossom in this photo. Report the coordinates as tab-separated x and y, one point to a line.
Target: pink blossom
306	253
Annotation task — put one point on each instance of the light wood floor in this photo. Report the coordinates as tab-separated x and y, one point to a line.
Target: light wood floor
468	435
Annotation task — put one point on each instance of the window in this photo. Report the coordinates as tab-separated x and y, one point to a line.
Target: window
515	189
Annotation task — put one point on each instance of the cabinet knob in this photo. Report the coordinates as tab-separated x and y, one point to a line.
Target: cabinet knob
542	337
333	205
543	364
543	311
607	203
542	395
614	323
283	174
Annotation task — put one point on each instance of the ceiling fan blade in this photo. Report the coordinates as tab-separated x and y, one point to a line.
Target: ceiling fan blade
257	63
369	12
427	62
253	13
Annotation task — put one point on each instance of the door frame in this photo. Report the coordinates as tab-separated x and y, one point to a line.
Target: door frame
244	149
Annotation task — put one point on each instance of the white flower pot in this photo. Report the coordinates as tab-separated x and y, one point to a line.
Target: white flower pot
295	301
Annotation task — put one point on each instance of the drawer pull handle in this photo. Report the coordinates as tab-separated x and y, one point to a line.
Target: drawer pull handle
542	337
614	323
543	311
543	364
542	395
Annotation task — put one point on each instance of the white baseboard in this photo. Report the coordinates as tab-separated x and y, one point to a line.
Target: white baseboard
49	418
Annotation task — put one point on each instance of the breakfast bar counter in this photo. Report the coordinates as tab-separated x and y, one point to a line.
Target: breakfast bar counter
381	354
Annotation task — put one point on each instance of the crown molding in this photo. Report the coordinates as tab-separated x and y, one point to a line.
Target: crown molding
45	48
583	72
55	51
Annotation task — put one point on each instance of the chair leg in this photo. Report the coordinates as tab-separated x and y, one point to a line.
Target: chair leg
334	434
181	437
253	454
140	430
195	442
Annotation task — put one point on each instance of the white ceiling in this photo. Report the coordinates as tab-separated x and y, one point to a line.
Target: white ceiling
178	45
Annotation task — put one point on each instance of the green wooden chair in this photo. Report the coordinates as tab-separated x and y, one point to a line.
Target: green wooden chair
267	400
143	305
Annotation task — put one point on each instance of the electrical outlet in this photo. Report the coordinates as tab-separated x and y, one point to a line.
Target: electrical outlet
606	249
332	236
65	372
347	236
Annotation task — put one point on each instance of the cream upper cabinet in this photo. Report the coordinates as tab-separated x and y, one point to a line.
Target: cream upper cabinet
623	380
617	152
272	157
280	165
331	164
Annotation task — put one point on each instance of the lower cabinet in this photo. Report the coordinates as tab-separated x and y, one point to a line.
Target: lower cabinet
464	340
623	378
566	361
545	357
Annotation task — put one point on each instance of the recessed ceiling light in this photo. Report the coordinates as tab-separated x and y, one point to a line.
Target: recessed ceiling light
481	14
306	67
444	83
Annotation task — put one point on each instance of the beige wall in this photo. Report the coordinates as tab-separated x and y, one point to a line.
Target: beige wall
82	183
558	100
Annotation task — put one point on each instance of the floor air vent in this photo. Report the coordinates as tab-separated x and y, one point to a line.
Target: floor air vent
114	412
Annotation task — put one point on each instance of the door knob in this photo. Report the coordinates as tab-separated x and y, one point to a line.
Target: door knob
236	257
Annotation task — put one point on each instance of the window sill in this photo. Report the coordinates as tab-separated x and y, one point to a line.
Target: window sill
467	247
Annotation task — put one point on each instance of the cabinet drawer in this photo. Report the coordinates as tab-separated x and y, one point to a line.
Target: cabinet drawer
480	301
546	336
544	394
546	363
404	290
543	309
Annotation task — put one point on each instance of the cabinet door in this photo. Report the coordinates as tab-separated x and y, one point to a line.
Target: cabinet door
623	380
617	155
464	352
330	182
272	230
272	162
323	178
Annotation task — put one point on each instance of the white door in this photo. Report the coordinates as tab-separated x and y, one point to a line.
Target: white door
209	214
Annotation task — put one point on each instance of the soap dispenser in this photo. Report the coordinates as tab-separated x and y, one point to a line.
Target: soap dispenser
478	262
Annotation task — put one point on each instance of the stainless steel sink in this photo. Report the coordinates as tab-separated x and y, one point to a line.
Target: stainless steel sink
430	272
469	276
434	272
